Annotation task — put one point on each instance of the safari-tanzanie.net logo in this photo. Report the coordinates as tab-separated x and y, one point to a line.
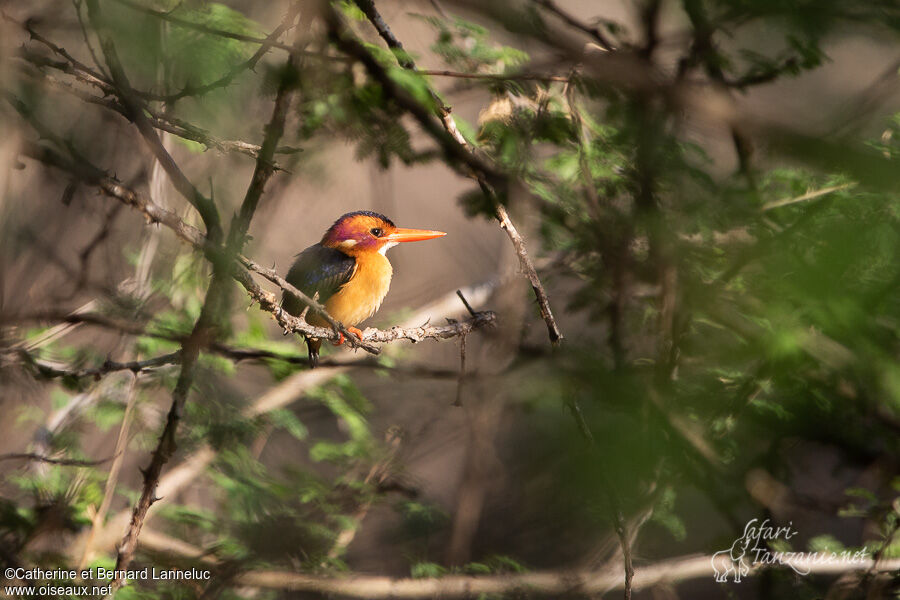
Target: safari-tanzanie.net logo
758	547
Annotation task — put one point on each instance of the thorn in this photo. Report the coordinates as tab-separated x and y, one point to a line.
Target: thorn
465	302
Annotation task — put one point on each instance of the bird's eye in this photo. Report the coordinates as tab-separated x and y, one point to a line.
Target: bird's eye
376	231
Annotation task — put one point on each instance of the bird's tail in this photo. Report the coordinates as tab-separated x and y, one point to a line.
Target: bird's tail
313	344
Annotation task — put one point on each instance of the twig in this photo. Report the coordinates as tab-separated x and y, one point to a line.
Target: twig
807	196
213	308
531	273
460	380
48	369
612	498
70	64
466	303
114	188
87	39
87	318
462	353
594	32
559	583
494	76
67	462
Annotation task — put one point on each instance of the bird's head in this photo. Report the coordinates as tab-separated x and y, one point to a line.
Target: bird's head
365	231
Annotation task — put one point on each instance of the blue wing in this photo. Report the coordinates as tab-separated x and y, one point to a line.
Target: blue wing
318	269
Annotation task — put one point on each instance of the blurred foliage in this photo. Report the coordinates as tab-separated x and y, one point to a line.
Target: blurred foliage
732	326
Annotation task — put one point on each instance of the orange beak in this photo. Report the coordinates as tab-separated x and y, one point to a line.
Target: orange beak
412	235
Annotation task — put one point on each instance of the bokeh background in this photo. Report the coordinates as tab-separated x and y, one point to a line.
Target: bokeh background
723	360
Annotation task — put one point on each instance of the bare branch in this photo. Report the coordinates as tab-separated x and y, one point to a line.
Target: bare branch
531	273
494	76
50	369
66	462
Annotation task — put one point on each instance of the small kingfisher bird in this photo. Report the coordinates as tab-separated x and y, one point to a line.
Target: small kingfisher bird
348	270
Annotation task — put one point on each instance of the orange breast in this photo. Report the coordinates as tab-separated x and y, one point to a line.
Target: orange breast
359	298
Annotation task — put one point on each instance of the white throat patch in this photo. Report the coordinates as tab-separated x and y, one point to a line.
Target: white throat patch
384	248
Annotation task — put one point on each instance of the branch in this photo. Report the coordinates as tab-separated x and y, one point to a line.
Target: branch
66	462
450	138
594	32
49	369
368	8
87	318
494	76
807	196
528	267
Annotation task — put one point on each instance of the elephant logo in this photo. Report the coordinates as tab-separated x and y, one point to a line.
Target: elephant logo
734	560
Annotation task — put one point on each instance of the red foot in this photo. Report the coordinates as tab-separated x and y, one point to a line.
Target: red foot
352	330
